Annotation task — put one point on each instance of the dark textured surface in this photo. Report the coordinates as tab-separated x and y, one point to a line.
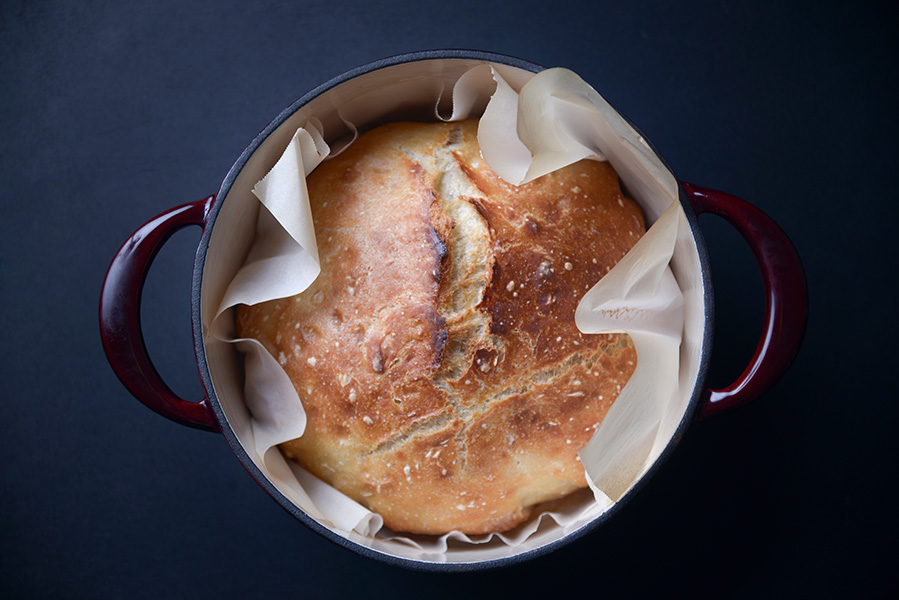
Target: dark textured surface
111	113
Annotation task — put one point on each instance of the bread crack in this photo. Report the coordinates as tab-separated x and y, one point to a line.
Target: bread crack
423	427
466	272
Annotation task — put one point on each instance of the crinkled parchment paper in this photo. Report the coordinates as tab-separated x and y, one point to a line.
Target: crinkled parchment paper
553	120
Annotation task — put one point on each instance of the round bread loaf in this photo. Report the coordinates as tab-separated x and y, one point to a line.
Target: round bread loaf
445	383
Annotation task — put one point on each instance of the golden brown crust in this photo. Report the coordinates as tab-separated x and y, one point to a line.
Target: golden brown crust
445	383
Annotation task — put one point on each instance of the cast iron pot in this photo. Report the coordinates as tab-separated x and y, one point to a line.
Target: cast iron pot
782	274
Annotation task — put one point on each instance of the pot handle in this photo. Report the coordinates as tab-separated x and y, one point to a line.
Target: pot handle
786	297
120	327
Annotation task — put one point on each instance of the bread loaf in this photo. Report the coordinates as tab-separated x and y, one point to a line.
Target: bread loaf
445	383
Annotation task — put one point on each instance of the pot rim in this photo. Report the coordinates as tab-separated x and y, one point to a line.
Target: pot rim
238	449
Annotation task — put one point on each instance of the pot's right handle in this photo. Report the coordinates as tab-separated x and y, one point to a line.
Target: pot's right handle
786	297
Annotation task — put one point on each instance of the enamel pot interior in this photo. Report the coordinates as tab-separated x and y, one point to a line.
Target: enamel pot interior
226	240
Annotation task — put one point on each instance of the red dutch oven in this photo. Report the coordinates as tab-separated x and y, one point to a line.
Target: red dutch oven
785	315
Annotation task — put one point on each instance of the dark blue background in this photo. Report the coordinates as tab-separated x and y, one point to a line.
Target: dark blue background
111	112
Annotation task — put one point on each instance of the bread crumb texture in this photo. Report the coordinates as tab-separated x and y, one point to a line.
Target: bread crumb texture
445	383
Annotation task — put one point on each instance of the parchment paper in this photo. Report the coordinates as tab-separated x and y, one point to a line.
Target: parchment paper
553	120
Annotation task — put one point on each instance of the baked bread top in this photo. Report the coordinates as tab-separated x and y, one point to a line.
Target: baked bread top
445	383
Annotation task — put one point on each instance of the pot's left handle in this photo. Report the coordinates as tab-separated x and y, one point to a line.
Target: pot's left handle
120	327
